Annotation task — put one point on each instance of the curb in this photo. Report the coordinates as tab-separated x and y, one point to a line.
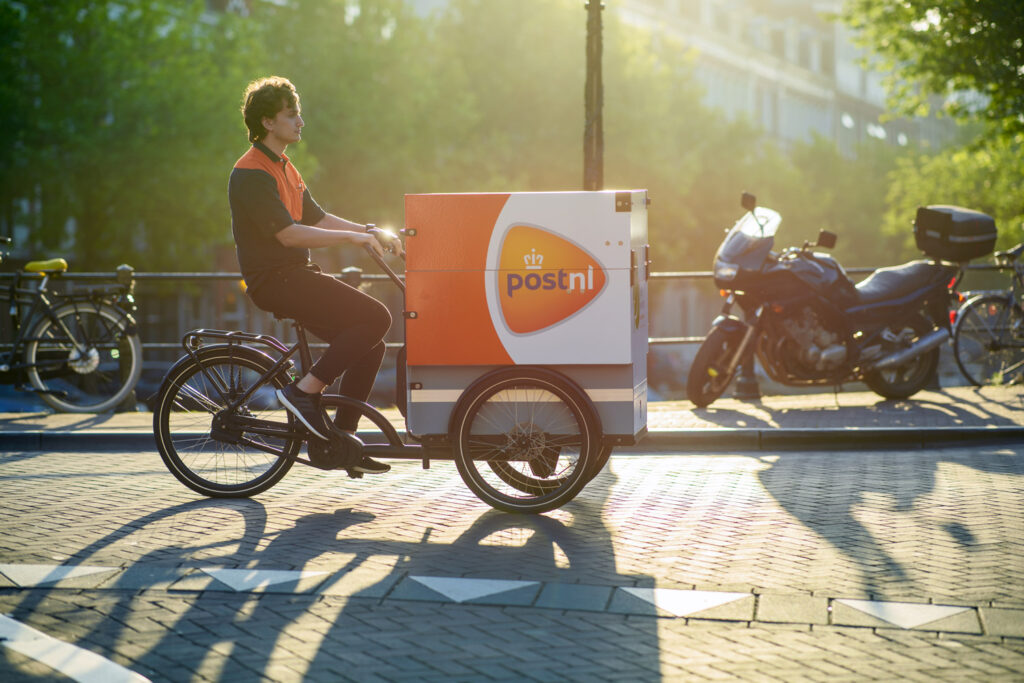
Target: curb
833	439
678	440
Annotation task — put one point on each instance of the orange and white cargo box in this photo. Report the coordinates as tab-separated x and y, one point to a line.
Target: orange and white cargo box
555	279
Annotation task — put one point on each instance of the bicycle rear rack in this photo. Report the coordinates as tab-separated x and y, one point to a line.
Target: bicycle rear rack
195	339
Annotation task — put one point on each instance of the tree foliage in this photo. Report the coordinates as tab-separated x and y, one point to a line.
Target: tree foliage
126	123
985	178
970	53
117	110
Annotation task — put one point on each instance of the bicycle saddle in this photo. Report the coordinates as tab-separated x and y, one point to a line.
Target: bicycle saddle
54	265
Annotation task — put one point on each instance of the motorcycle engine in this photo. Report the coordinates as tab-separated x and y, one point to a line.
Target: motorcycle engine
816	348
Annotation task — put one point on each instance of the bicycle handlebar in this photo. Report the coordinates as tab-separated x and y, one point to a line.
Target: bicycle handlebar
386	268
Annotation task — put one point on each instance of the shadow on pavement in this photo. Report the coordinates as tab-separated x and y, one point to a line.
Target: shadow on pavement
247	635
14	422
733	419
909	414
836	508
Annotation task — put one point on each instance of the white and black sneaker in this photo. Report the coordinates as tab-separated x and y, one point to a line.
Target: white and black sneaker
306	407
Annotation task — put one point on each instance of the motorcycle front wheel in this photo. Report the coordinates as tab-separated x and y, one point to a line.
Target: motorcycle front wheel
905	380
708	378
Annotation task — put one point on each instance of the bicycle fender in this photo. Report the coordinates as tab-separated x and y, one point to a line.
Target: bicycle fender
540	371
207	351
131	327
988	294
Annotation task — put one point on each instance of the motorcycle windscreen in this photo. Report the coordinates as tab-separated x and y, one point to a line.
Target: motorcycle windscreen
749	241
743	250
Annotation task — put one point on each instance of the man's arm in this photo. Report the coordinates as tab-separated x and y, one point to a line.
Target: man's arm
332	222
312	237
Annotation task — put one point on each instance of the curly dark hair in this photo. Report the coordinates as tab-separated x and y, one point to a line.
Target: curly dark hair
263	98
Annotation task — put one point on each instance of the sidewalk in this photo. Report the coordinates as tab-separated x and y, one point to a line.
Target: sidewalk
859	420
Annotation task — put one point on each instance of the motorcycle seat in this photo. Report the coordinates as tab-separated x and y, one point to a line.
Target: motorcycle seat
892	282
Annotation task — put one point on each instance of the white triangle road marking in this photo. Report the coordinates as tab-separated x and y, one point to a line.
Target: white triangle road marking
460	590
684	602
243	580
27	575
72	661
903	614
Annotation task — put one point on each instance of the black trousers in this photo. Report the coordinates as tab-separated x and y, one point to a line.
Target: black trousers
351	322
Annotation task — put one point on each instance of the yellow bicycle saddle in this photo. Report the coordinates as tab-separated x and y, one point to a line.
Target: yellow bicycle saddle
55	264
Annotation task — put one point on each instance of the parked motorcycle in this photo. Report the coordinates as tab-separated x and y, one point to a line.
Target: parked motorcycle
809	324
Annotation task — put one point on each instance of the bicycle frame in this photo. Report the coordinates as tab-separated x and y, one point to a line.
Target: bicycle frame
231	426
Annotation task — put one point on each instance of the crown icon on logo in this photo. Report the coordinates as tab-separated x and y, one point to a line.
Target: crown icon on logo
533	260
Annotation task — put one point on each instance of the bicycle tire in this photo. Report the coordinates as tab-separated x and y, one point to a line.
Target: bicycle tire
93	378
183	417
988	341
516	415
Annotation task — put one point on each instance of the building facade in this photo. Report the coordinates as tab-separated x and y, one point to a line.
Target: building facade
789	66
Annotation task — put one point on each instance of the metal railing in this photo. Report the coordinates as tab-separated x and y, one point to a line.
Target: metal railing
356	276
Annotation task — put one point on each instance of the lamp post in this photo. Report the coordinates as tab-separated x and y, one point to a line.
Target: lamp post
593	99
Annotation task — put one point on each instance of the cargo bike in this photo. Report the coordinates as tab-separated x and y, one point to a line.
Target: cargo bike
524	358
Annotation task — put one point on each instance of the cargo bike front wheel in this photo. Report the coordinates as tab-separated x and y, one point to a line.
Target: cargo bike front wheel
525	439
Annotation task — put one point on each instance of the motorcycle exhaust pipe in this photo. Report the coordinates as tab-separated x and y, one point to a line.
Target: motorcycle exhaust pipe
922	345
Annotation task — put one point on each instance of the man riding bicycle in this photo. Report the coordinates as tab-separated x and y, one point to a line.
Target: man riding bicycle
275	222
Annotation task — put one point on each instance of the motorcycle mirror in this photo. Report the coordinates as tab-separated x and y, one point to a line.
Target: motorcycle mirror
748	201
826	239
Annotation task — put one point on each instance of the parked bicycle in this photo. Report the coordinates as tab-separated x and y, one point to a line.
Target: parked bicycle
988	338
79	352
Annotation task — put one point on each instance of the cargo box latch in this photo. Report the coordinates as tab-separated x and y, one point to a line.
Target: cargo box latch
623	202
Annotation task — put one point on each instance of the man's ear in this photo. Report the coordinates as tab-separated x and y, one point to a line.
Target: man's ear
265	121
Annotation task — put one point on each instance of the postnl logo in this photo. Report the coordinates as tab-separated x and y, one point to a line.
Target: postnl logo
544	279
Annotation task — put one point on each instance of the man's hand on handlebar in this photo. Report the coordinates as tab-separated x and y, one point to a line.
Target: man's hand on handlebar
386	241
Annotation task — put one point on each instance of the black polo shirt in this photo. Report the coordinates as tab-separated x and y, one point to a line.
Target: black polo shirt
266	194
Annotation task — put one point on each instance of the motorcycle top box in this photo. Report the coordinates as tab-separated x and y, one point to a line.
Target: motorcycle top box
952	233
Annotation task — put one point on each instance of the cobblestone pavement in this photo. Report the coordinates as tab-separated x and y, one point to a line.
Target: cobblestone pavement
891	565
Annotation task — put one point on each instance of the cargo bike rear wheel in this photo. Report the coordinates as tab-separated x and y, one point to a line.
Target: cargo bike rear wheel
205	455
525	439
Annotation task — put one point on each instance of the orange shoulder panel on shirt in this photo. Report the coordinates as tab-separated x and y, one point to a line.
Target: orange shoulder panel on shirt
256	160
446	265
290	192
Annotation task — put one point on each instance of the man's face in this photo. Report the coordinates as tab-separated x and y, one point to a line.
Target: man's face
286	126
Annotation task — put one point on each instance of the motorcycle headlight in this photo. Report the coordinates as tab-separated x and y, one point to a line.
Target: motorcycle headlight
725	271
